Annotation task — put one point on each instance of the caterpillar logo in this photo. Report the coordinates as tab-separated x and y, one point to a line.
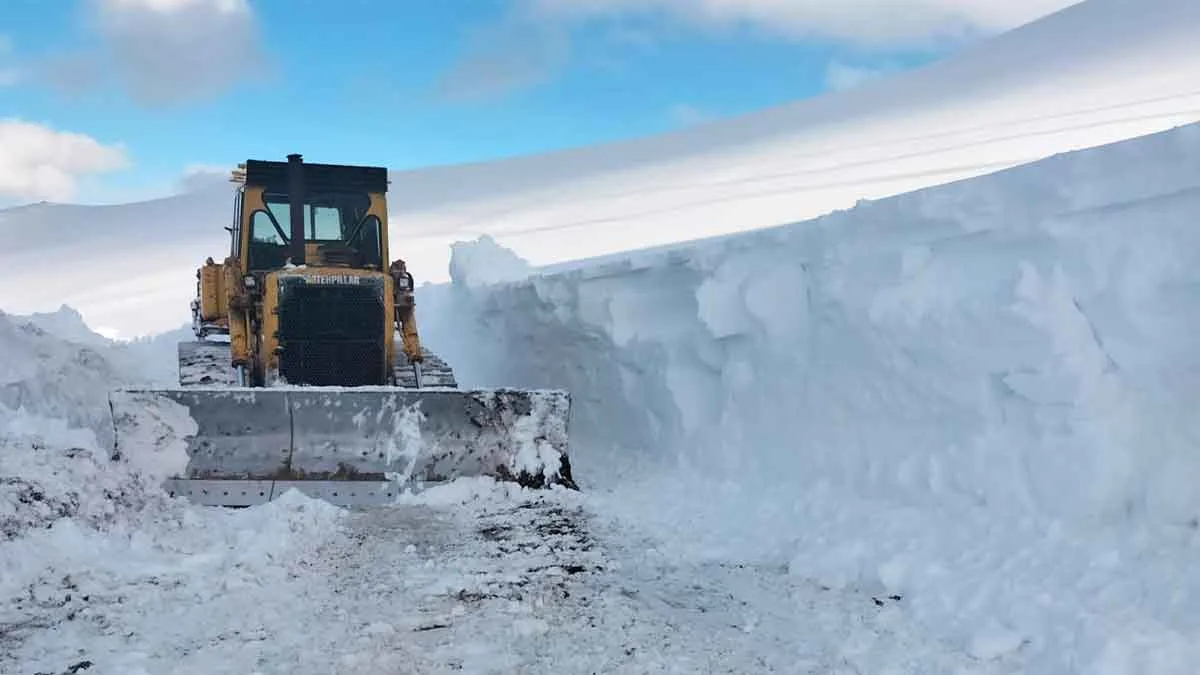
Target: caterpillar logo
334	279
330	279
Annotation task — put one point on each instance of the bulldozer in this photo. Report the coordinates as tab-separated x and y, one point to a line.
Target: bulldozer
308	372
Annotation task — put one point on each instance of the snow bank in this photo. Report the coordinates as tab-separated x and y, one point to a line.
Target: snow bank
54	366
97	565
54	378
144	593
49	471
979	396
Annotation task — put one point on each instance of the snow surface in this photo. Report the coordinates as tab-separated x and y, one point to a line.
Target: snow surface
979	397
945	432
101	572
1100	71
951	431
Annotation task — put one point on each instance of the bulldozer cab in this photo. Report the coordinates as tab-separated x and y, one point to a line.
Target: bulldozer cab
340	216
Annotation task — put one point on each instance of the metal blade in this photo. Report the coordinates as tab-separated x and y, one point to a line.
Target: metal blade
365	434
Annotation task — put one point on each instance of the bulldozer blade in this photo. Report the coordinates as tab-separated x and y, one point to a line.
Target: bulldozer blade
352	446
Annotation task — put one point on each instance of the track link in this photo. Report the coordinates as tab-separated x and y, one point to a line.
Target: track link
204	364
435	372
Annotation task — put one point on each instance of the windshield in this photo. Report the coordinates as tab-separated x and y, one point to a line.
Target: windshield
335	221
327	218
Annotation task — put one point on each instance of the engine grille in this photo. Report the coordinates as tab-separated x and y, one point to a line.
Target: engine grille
332	334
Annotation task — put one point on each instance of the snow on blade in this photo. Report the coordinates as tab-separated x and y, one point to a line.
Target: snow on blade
154	440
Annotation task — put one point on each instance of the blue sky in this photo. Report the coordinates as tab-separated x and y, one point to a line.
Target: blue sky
161	85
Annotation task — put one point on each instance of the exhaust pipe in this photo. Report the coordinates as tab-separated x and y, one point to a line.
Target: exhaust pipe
296	207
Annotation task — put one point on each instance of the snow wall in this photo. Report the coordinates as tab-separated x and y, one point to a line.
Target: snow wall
1023	341
913	396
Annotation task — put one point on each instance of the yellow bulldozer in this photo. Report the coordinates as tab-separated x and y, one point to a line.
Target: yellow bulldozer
308	370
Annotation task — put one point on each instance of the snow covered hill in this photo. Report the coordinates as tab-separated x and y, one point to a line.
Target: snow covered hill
1097	72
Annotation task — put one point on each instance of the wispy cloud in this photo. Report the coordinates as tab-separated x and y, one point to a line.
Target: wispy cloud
532	44
164	52
502	58
875	23
40	162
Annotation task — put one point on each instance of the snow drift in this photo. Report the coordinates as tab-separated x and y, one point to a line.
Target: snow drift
88	543
1100	71
979	396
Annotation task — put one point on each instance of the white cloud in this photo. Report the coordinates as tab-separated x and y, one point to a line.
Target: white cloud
39	162
840	76
171	51
875	23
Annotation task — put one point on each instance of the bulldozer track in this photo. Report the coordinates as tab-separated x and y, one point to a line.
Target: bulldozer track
435	372
205	364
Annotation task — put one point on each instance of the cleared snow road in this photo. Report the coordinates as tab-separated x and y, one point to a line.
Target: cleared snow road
471	578
530	584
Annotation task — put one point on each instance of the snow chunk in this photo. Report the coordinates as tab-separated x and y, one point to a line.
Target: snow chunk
462	490
50	472
483	261
156	436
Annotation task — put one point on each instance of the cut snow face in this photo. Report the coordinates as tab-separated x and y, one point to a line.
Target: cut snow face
1014	319
978	397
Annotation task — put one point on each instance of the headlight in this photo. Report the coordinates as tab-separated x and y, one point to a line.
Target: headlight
248	281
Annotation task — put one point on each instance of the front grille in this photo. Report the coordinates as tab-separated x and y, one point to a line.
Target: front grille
332	334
